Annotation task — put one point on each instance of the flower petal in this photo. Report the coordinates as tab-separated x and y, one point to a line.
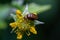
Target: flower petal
14	16
26	10
36	22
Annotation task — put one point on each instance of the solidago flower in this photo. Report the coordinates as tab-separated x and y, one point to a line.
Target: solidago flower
22	25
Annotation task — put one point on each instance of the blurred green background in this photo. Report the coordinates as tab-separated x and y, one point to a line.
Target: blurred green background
48	31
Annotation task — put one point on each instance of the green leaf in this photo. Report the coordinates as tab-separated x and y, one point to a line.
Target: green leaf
34	8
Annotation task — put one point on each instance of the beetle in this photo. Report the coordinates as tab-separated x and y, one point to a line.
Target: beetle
31	16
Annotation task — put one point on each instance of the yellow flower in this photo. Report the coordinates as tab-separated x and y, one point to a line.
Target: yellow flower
22	25
13	25
19	35
18	12
33	30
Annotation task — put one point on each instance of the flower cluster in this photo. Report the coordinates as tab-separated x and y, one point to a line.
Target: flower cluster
22	25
